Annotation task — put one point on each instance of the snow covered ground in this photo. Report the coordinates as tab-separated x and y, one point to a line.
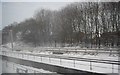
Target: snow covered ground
42	50
103	56
80	65
76	64
10	67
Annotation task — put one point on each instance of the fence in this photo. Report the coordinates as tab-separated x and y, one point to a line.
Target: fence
92	65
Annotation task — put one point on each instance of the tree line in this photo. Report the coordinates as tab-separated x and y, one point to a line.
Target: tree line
85	24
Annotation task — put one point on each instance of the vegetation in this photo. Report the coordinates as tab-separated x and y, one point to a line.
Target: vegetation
87	24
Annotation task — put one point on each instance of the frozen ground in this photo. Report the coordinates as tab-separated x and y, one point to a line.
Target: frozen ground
42	50
104	56
80	65
10	67
97	67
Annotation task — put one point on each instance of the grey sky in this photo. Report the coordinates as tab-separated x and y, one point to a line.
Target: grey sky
0	15
19	11
59	0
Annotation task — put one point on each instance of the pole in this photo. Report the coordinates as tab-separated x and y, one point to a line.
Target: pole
11	38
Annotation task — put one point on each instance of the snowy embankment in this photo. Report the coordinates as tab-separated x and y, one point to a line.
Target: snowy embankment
68	62
80	65
74	51
10	67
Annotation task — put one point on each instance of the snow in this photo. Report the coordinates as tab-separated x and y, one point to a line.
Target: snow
79	65
101	57
10	67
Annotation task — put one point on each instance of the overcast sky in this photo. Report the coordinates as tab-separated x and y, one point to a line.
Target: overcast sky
19	10
0	15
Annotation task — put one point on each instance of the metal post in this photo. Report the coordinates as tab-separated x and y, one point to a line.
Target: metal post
60	62
112	68
34	71
11	54
41	58
34	57
17	55
13	67
49	60
25	56
74	63
90	65
11	38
